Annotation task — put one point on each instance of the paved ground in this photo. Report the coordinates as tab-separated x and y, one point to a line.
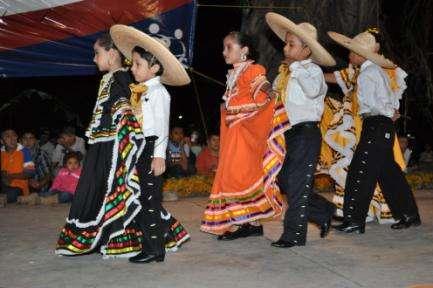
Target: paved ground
379	258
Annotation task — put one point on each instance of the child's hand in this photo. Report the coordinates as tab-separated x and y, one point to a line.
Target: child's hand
396	115
158	166
34	184
186	140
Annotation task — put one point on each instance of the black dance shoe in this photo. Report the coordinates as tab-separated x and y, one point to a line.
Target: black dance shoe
350	227
338	218
406	222
284	244
143	258
243	231
324	228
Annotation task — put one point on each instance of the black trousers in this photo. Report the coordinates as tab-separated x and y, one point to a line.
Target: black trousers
296	180
373	162
149	218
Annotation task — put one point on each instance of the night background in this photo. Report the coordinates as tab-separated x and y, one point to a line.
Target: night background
55	37
70	99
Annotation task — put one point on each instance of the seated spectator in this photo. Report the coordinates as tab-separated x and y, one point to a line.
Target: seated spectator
180	162
207	160
195	143
16	167
66	181
46	142
42	176
67	142
404	143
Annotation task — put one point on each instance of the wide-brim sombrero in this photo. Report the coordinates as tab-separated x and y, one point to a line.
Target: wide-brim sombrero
307	32
126	38
353	44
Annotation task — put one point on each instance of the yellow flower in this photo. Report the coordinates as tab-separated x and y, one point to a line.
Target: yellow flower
190	186
420	180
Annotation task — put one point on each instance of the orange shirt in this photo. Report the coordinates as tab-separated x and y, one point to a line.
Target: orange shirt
206	162
13	162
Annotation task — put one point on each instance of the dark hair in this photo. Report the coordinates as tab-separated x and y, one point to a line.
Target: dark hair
106	42
378	36
44	131
71	155
68	130
7	129
245	40
214	134
28	132
176	127
150	58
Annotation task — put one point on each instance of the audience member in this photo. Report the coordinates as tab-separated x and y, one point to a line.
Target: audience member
180	162
42	176
67	142
16	167
46	142
404	146
207	160
66	181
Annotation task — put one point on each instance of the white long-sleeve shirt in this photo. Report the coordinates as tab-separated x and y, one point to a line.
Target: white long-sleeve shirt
155	105
375	95
305	92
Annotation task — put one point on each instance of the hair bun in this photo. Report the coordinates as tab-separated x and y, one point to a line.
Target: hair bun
373	30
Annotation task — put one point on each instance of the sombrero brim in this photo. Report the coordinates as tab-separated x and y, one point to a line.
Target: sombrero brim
126	38
352	45
281	26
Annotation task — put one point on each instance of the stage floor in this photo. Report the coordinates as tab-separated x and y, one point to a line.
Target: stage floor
379	258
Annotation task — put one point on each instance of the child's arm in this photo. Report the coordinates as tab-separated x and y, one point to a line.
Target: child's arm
28	165
161	112
310	80
57	181
81	148
330	78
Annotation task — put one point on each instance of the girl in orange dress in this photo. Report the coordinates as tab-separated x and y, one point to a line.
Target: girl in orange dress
244	190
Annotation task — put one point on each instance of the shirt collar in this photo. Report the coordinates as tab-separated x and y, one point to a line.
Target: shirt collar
109	74
152	82
365	65
306	61
19	148
295	65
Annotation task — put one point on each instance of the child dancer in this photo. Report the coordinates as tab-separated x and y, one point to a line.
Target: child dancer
106	201
344	133
243	190
302	87
152	65
373	161
104	211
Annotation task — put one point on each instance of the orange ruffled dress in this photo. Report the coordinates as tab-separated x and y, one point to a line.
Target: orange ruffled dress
239	194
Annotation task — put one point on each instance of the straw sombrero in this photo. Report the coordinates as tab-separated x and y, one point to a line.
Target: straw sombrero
307	32
363	44
126	38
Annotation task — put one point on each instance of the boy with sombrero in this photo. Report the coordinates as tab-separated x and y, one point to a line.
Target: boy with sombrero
343	132
373	160
152	65
302	88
